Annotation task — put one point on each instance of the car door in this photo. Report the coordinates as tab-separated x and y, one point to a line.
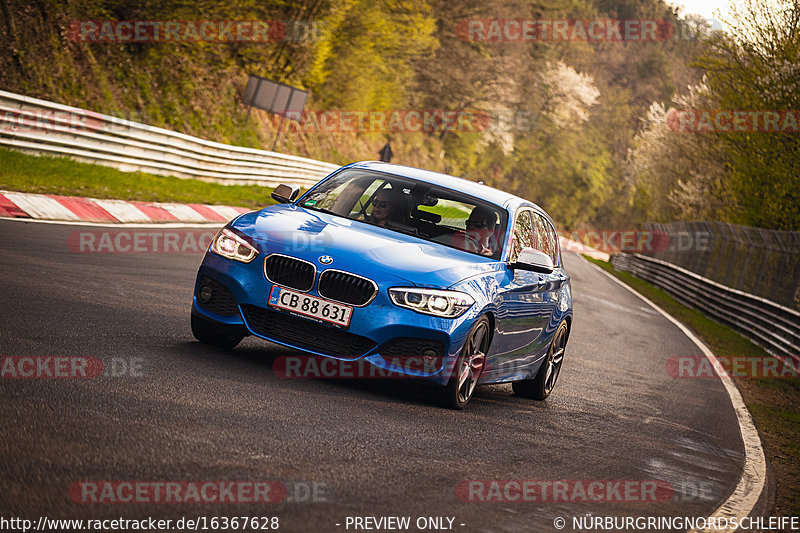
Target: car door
524	304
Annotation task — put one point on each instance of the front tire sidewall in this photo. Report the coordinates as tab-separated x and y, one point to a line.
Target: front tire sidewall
451	397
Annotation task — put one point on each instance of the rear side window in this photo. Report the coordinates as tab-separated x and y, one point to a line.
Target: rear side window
541	237
545	239
554	239
523	234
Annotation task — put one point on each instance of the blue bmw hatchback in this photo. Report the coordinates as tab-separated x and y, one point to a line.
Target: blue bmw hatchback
417	273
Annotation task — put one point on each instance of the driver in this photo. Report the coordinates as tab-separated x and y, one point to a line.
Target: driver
387	205
480	230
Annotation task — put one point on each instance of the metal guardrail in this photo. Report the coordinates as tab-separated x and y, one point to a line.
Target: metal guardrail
757	261
772	326
41	127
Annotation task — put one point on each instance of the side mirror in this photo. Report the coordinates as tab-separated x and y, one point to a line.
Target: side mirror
284	194
533	260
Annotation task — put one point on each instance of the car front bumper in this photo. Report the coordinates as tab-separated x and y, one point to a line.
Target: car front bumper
386	336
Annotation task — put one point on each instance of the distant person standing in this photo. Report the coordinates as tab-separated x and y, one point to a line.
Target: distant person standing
386	153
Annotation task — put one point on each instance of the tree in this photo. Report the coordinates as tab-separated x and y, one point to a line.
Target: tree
366	47
756	67
683	175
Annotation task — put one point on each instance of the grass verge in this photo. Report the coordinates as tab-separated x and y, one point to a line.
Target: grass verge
773	403
59	175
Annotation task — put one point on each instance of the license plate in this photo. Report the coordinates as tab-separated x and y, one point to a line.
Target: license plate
311	306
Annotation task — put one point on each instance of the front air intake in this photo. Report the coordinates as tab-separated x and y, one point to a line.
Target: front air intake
346	288
290	272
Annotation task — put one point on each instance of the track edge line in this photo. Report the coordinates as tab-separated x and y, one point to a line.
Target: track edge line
754	473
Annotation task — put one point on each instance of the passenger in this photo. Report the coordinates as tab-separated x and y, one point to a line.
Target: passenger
387	205
480	231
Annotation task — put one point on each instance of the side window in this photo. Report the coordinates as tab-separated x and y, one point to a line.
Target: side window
545	238
523	234
551	231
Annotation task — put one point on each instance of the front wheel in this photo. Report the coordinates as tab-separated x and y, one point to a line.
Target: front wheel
209	332
542	385
469	367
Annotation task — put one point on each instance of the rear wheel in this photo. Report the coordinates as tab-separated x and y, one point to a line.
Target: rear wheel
209	332
542	385
469	367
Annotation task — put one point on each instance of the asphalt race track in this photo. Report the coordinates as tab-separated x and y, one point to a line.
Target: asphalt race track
192	412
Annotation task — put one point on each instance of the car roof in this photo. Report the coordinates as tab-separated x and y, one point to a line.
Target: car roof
478	190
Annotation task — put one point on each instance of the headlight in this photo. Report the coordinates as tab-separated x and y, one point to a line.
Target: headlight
230	246
448	304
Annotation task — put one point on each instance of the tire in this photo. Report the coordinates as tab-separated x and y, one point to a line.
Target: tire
540	387
209	332
469	367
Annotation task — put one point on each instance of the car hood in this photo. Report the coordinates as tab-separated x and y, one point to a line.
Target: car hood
358	247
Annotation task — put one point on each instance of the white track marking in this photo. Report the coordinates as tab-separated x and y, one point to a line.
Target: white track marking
168	225
41	206
123	211
754	475
183	212
225	211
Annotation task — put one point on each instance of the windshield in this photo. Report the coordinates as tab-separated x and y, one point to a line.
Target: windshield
432	213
